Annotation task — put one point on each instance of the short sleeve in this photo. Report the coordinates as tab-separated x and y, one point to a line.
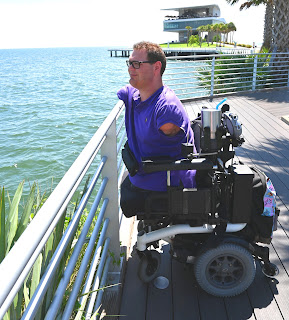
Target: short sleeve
122	94
169	114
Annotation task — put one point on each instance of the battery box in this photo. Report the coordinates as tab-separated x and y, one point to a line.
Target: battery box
242	177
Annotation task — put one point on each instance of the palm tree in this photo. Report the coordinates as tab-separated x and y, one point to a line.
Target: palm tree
232	28
223	30
276	27
189	33
217	28
209	29
281	25
268	26
201	30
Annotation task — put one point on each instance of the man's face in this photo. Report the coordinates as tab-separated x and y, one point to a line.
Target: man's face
141	78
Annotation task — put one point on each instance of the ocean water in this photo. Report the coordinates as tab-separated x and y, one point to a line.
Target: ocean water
51	103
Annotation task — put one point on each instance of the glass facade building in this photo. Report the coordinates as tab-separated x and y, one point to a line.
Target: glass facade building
191	16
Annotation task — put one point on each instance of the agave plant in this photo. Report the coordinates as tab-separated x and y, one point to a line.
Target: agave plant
13	221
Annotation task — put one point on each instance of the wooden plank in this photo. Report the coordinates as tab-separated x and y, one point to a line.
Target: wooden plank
239	307
160	301
263	128
262	298
191	110
134	295
185	292
275	101
280	284
267	116
211	307
283	217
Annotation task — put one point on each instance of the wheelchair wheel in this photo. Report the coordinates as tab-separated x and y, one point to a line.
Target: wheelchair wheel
225	271
149	266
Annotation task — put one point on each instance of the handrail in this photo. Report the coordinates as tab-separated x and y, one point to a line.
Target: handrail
30	244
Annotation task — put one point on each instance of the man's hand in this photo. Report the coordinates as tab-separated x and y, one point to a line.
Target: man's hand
170	129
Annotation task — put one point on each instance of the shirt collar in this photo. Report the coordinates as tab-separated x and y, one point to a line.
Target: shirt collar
136	96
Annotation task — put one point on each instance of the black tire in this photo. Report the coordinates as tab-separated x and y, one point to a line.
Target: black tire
225	271
148	268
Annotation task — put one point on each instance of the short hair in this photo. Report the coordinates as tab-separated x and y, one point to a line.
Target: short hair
154	52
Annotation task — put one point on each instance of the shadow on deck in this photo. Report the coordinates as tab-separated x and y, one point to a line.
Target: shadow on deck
267	147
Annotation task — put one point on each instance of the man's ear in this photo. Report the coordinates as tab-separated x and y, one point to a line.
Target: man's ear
158	66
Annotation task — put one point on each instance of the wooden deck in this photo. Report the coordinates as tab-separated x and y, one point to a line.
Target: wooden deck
266	146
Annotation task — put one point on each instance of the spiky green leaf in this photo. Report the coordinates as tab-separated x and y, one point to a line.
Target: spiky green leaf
2	225
12	219
26	213
36	272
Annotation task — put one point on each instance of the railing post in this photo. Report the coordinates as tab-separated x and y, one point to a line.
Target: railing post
109	149
254	73
213	76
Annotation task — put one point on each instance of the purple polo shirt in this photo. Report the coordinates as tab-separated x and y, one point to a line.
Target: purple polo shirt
143	120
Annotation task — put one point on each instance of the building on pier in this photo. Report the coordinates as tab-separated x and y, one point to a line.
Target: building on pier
193	17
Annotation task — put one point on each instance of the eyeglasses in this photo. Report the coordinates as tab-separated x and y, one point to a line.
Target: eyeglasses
136	64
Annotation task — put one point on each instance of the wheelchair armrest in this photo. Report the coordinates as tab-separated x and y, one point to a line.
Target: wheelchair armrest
150	166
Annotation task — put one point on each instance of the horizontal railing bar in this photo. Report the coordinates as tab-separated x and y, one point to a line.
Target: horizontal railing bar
272	83
97	280
271	79
119	145
120	126
226	84
121	172
83	267
187	93
102	284
285	72
93	266
229	79
234	88
191	66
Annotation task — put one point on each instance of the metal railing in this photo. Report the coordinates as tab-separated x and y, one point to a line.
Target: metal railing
93	255
212	75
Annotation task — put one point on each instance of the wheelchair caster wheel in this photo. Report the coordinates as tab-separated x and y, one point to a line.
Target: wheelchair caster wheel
149	266
226	270
140	226
270	270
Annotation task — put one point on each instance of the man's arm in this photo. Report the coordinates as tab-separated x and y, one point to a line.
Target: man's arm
170	129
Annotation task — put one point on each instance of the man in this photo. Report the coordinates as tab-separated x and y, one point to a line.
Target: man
156	126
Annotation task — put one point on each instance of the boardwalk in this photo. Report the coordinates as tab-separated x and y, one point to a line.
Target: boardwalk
266	146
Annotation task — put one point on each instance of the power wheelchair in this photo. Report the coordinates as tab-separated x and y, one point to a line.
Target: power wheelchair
206	226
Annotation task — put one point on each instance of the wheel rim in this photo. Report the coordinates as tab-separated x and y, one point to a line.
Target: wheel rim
225	271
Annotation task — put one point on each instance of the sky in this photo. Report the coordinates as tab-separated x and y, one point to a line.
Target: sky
114	23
